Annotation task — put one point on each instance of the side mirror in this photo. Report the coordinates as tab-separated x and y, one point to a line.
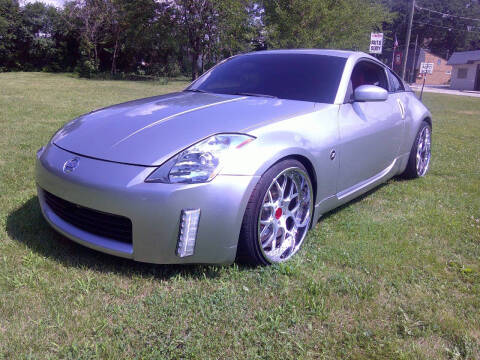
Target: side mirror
370	93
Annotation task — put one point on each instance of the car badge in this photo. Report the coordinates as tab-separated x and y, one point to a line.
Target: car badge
70	165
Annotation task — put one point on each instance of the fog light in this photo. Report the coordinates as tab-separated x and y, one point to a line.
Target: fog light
188	232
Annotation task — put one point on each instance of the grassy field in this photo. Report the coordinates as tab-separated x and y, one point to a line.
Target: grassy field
393	275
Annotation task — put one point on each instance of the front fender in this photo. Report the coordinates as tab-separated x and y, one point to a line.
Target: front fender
312	136
262	153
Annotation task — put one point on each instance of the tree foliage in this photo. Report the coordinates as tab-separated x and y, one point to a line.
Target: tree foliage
343	24
441	34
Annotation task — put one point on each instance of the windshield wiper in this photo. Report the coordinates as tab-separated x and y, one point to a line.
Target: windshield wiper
196	90
255	94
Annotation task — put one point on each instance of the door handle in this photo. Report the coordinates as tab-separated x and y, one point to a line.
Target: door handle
402	108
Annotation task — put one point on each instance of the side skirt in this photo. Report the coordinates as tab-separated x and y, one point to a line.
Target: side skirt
351	193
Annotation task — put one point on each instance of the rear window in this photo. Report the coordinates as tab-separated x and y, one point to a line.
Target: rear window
305	77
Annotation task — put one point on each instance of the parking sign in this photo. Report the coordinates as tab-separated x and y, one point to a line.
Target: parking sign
426	68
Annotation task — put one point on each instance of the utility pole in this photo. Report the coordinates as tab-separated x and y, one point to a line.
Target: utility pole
407	40
412	78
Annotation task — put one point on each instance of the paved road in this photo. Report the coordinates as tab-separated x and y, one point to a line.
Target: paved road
445	90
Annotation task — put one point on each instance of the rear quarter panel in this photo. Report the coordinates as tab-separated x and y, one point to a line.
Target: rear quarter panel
416	112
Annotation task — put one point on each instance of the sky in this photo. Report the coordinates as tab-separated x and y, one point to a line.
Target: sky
57	3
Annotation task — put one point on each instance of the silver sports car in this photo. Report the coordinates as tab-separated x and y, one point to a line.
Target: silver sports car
239	165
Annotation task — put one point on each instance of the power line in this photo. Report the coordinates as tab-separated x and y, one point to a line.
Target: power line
446	27
444	14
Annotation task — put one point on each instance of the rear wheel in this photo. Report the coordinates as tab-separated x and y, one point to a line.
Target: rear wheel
420	154
278	215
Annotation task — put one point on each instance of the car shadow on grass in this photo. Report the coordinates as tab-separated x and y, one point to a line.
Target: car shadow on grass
27	226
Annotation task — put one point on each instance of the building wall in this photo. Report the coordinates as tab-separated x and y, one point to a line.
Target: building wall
469	82
442	72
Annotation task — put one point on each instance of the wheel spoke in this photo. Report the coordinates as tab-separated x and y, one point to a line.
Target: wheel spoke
264	231
269	205
304	222
266	222
269	239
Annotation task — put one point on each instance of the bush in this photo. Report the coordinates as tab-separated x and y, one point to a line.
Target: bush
86	69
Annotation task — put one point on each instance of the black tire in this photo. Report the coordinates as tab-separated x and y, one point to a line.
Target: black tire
249	249
411	171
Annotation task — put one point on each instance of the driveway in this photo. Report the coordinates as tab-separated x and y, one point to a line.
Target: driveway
445	89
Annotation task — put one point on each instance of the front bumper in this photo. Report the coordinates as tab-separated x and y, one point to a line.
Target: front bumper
153	208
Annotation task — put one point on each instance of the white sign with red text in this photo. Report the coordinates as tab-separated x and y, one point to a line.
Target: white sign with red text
376	43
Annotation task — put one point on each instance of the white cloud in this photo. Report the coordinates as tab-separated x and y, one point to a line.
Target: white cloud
56	3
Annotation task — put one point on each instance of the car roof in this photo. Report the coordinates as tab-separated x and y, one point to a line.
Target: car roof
328	52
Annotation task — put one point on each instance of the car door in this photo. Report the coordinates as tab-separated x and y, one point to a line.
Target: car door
370	132
397	92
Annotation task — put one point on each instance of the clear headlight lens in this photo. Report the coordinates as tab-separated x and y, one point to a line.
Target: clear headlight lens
200	162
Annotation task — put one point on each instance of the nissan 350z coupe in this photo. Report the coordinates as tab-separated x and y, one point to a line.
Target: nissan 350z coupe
239	165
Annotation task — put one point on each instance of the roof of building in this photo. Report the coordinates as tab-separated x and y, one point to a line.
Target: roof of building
464	57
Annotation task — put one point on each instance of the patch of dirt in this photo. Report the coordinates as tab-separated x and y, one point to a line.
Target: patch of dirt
469	112
433	347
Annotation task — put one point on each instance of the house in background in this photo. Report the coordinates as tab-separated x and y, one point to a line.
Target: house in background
441	70
466	70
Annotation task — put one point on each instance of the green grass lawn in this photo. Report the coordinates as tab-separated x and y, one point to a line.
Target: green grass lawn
393	275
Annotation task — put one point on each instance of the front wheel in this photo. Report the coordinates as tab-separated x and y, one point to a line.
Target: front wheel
420	154
278	215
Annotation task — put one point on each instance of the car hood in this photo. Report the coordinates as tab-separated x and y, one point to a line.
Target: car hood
150	131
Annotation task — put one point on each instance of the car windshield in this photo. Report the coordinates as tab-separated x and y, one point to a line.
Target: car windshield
305	77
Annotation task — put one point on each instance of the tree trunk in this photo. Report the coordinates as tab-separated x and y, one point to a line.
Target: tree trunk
114	60
195	56
95	51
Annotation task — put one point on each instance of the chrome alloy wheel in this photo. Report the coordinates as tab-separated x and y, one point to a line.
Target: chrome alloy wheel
285	215
423	151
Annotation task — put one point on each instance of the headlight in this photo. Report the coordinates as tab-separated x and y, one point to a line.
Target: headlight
200	162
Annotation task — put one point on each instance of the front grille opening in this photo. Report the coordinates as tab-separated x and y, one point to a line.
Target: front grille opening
96	222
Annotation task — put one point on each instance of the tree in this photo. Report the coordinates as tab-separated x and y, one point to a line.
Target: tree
92	16
215	28
37	46
10	25
198	20
344	24
153	39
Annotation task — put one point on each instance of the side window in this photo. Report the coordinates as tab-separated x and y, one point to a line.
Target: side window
462	73
395	83
368	73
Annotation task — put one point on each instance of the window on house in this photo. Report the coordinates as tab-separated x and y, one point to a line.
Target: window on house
462	73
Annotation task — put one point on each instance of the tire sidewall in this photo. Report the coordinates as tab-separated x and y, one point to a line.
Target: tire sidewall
411	171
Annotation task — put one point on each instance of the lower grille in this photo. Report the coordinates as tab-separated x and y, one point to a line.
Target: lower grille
93	221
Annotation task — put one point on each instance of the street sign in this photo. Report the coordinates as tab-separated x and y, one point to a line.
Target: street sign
398	58
426	68
376	43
